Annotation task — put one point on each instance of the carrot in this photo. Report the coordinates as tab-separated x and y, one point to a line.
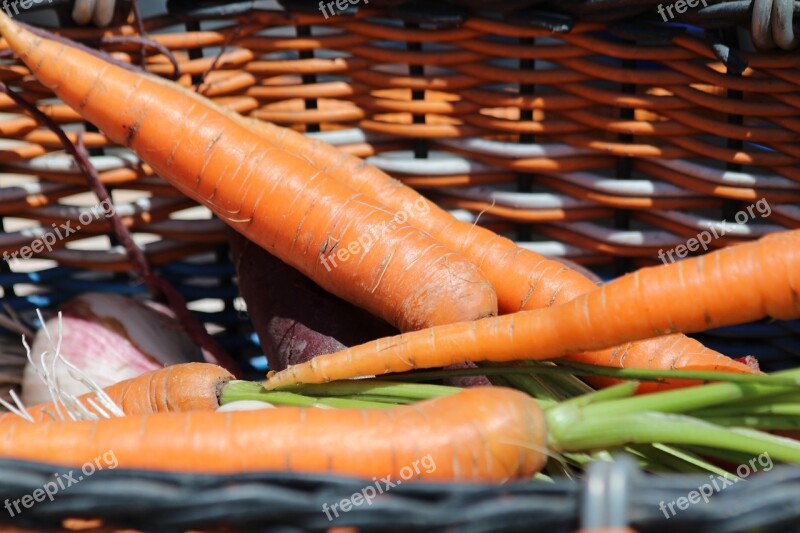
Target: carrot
728	286
348	244
523	279
183	387
492	434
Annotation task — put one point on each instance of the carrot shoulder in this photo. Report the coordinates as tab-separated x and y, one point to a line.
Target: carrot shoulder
729	286
481	434
347	243
183	387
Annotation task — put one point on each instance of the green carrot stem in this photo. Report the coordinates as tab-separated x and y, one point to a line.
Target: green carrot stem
733	459
560	385
643	374
247	390
500	381
787	403
580	369
380	399
747	404
784	409
675	460
582	433
374	387
764	422
691	399
532	385
620	390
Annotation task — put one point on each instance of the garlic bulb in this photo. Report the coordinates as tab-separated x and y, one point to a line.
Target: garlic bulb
110	338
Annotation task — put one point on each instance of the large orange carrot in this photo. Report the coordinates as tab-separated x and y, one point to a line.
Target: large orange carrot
183	387
729	286
492	434
347	243
523	279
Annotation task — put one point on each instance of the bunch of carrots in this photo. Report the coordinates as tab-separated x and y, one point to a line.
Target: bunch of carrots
457	293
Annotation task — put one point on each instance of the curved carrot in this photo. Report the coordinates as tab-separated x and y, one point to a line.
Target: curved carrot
523	279
728	286
183	387
492	434
347	243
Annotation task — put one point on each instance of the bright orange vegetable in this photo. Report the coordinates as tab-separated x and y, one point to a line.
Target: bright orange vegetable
728	286
274	198
523	279
183	387
493	434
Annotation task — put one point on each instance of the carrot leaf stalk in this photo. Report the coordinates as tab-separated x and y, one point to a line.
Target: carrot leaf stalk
588	433
340	394
570	368
234	394
702	397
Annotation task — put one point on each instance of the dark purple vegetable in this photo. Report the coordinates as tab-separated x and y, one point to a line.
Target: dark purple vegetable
294	318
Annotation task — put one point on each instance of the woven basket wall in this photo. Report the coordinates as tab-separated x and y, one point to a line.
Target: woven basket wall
595	133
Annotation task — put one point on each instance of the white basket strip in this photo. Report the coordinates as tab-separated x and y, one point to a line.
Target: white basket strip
437	163
620	187
728	177
512	150
519	200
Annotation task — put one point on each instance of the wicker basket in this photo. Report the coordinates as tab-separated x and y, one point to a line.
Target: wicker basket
599	131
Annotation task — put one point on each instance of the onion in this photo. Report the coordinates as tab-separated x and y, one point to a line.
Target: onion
110	338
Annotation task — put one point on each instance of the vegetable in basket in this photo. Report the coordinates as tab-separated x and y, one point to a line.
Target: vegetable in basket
110	338
274	198
481	434
181	387
380	280
523	279
494	434
729	286
484	434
